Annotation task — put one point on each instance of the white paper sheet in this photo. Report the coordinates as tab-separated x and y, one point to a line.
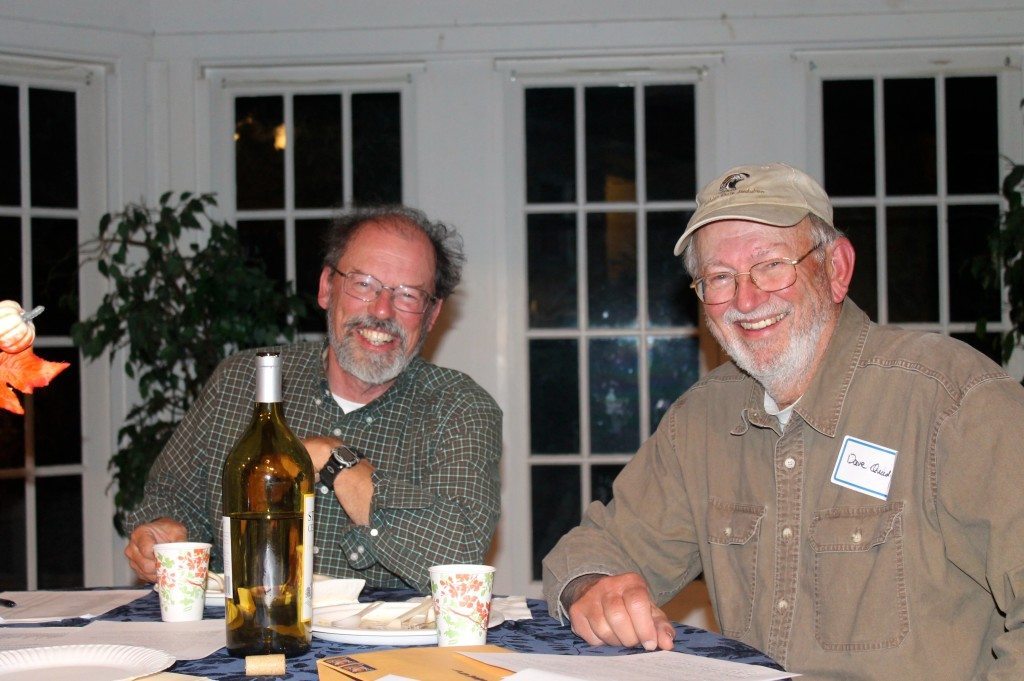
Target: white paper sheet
183	640
662	665
50	606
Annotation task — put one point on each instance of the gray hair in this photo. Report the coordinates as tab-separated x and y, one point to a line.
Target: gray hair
446	241
822	233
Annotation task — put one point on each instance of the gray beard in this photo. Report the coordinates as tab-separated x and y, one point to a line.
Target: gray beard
779	373
371	369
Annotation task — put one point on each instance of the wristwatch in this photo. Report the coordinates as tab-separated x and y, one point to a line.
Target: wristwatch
341	457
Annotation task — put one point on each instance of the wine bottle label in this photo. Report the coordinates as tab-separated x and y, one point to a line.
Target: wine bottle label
225	532
308	501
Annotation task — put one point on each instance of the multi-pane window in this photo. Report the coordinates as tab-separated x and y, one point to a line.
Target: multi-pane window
300	156
41	453
913	167
612	326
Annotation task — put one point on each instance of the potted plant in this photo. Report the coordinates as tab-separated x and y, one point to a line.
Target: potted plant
181	298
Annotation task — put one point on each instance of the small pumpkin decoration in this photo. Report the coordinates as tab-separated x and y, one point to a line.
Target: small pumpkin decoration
17	332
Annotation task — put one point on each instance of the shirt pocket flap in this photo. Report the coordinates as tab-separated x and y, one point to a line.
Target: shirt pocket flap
855	528
732	523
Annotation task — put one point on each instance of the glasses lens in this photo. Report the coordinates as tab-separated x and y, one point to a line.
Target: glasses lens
773	275
410	299
362	286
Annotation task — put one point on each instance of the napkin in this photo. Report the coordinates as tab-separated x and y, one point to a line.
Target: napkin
512	607
336	591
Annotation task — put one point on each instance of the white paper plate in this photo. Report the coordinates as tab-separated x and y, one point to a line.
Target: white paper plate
322	618
82	663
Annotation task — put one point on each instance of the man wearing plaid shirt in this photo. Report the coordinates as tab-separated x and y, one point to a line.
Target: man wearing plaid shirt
425	489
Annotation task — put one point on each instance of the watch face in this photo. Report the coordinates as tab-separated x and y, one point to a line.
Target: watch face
345	456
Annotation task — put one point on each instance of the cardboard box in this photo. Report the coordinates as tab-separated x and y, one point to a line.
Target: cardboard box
423	664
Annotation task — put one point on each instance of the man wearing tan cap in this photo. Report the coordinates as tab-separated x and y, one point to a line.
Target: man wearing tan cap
852	493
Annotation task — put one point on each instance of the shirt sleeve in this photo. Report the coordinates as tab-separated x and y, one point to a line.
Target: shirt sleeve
447	516
634	532
177	484
981	507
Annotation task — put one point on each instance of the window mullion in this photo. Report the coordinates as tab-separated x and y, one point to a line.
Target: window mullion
880	205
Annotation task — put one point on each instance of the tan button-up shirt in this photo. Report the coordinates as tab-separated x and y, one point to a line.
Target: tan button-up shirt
828	580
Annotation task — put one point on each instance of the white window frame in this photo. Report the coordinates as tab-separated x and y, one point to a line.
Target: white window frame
88	80
515	529
871	64
226	82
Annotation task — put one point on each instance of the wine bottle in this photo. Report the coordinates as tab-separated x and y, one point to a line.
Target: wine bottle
268	529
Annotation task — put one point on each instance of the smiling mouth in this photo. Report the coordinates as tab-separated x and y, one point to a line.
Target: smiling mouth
761	324
376	337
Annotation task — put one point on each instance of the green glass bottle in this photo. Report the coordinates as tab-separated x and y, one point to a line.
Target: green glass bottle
268	529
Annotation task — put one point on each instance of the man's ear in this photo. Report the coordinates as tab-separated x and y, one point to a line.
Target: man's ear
434	311
323	295
839	267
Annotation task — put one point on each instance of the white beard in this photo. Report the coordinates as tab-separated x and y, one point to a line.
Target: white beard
780	373
372	369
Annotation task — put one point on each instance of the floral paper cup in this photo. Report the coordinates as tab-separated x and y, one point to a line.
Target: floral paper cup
462	603
181	580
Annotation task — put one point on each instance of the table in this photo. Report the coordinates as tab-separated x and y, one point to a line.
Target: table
542	634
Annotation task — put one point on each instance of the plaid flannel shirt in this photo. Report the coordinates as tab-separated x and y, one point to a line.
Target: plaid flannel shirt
434	437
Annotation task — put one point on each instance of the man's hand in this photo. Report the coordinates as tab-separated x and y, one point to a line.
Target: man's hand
139	551
617	610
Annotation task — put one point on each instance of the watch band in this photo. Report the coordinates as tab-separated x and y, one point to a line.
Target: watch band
341	458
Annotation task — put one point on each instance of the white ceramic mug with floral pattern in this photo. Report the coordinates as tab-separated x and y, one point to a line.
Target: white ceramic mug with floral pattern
462	603
181	580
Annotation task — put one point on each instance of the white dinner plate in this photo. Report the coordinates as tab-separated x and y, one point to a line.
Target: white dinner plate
82	663
322	618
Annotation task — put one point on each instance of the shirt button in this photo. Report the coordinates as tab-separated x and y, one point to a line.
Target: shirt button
337	432
787	533
361	550
790	462
857	537
316	549
783	604
374	532
727	532
369	419
353	556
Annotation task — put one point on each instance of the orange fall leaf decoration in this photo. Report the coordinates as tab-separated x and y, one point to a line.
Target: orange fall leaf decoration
24	371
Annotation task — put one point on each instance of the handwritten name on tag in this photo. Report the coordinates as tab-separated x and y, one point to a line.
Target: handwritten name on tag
864	467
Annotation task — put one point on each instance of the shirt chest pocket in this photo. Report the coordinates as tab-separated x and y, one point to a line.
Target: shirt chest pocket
732	536
860	590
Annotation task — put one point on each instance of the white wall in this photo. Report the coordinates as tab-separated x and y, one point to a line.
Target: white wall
158	118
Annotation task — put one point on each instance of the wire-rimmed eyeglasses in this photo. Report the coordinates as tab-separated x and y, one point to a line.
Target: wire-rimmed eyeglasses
768	275
367	288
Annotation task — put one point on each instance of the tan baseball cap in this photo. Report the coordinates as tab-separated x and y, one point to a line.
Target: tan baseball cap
773	194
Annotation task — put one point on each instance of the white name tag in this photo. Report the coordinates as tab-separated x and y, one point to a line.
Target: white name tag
864	467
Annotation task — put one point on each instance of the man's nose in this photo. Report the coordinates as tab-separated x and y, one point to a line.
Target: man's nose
748	295
383	306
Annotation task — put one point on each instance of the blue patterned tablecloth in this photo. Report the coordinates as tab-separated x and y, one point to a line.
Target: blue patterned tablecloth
542	634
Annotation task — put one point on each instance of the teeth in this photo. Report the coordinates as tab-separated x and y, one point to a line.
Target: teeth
376	337
764	323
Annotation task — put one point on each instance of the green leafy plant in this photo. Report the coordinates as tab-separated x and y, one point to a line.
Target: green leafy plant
180	299
1008	248
1004	263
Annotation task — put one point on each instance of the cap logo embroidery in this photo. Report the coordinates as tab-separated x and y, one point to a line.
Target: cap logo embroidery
731	181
